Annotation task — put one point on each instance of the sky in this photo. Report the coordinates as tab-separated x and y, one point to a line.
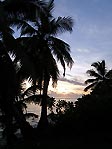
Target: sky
90	41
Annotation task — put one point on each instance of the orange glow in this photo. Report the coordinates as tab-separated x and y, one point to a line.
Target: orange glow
66	88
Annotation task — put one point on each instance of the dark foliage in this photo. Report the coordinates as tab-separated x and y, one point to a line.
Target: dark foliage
87	121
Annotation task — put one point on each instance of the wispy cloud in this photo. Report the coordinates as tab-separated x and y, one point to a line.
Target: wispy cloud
83	50
74	82
66	88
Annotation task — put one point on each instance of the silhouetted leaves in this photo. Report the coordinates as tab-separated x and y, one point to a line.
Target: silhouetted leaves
100	74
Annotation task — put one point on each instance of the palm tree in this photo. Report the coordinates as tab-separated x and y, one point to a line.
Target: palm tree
11	13
45	48
100	74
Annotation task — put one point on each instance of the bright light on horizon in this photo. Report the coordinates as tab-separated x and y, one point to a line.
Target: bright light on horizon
65	89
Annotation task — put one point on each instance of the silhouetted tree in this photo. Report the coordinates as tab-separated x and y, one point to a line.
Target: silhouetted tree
11	14
94	110
100	74
44	47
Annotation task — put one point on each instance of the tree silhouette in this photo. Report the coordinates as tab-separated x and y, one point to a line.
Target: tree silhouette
11	14
44	48
35	53
100	74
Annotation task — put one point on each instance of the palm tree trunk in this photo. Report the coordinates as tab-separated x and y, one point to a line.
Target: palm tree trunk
43	123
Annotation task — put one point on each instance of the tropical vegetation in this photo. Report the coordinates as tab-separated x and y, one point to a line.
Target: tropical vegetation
34	56
99	75
31	56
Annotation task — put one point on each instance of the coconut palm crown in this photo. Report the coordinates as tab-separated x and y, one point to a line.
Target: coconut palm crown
99	74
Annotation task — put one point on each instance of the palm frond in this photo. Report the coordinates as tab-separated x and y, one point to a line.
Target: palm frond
36	99
59	57
101	75
53	69
23	9
108	75
61	25
50	5
31	90
33	99
62	51
103	68
95	64
59	43
92	73
91	86
25	27
91	81
40	7
100	67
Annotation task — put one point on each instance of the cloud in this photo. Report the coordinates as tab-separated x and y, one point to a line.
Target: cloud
74	82
67	89
83	50
68	97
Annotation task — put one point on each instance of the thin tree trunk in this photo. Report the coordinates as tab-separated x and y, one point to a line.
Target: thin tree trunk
43	123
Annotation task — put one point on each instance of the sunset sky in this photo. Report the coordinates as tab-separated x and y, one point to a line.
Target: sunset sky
90	41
